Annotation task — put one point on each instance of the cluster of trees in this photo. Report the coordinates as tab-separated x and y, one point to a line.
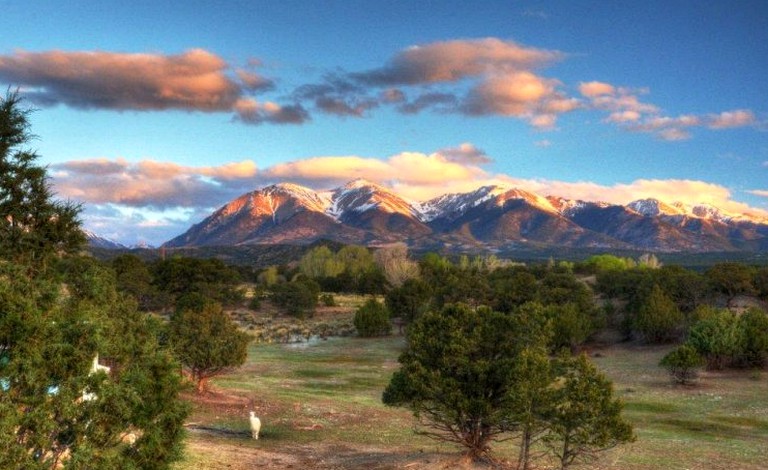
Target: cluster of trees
719	339
662	304
474	376
59	310
200	333
672	304
157	286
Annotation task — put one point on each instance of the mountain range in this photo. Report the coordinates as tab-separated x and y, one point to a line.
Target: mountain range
490	217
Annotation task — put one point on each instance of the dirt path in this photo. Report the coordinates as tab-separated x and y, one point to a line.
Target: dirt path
246	456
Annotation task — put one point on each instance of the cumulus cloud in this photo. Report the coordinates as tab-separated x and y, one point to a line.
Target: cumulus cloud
254	82
593	89
195	80
251	111
464	153
409	168
149	183
475	77
729	119
627	110
441	102
451	61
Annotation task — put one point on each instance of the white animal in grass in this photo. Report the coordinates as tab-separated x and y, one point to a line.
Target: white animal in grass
255	425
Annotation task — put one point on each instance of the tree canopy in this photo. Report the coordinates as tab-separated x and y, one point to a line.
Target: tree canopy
58	314
34	226
207	342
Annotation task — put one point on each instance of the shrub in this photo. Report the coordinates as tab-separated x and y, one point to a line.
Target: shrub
753	326
717	337
328	300
683	364
298	298
372	319
658	320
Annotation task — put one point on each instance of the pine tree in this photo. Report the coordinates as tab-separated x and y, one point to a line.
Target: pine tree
207	342
658	319
585	418
57	314
33	225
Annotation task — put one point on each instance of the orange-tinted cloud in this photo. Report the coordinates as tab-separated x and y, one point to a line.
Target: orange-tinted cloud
193	80
625	109
465	153
450	61
408	168
593	89
251	111
729	119
151	184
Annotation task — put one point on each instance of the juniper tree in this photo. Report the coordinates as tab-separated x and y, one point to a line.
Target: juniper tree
458	375
54	412
206	341
585	418
33	225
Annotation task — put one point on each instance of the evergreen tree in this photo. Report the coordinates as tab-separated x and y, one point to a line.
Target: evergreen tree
717	337
410	300
55	412
33	225
683	364
585	417
206	341
372	319
456	375
753	326
658	319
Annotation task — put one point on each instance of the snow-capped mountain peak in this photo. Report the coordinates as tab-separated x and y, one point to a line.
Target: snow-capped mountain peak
651	207
527	196
365	212
455	204
361	195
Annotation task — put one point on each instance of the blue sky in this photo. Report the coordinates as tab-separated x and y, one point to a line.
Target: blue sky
153	115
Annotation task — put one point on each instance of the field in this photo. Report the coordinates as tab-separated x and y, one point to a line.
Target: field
320	405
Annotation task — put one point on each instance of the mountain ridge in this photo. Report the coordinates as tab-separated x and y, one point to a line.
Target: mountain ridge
489	216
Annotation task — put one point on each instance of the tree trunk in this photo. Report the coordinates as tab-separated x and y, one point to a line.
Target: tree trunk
202	384
523	462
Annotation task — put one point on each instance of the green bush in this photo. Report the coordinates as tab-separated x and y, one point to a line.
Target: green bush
328	300
298	298
658	320
753	326
372	319
717	337
683	364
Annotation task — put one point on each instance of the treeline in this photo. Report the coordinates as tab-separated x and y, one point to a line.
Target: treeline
672	304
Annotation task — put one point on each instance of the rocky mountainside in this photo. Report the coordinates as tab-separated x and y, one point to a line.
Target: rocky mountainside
488	217
97	241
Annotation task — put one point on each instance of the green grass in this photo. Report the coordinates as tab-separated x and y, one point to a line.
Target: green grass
336	384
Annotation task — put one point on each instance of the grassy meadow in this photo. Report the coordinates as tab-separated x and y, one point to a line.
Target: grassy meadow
320	405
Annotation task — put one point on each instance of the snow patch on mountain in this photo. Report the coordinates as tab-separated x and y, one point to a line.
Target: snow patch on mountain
361	195
651	207
455	204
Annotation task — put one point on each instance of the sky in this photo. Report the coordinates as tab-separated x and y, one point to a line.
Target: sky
154	114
